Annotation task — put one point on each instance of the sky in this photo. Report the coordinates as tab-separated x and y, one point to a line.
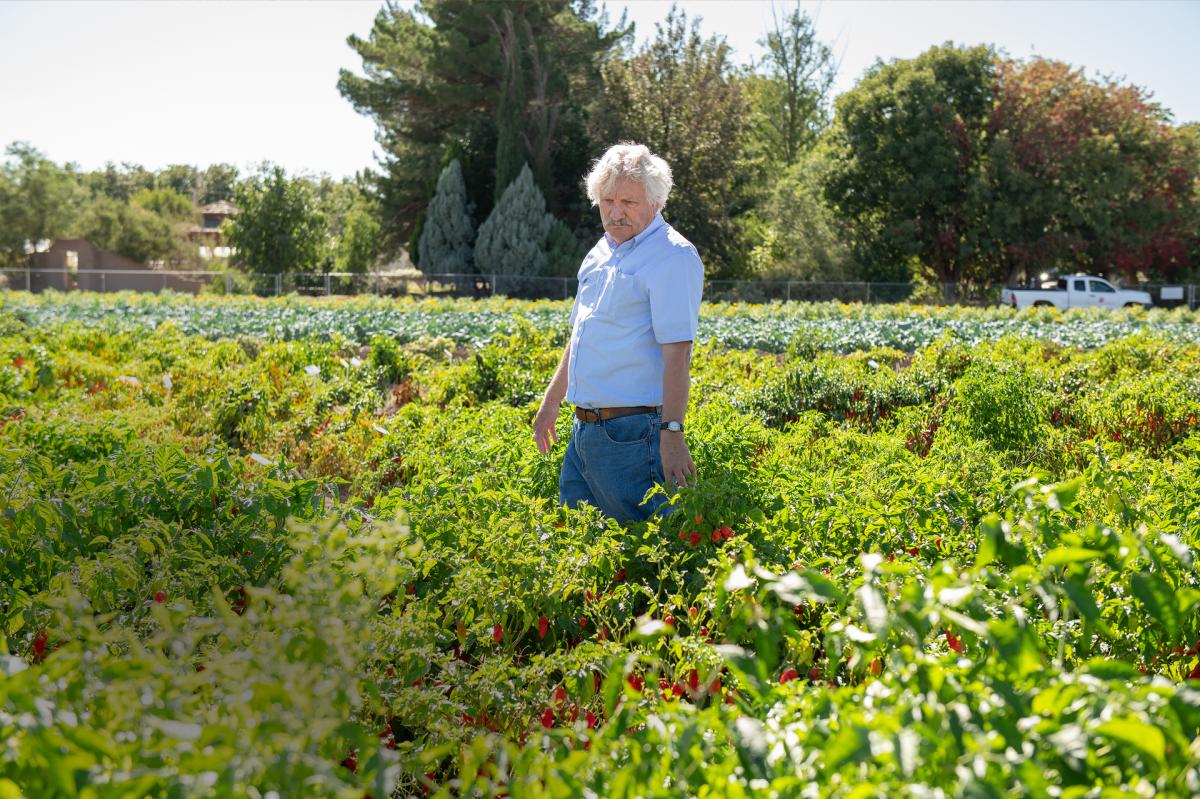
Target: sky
206	81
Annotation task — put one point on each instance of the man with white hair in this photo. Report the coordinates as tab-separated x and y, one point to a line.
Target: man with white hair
626	365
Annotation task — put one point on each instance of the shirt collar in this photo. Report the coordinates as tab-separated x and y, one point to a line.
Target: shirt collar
654	225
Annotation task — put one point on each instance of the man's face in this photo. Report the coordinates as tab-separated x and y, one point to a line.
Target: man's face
625	211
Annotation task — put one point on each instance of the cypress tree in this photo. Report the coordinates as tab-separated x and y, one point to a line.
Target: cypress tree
514	238
445	243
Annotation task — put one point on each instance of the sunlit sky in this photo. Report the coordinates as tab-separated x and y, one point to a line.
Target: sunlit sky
166	82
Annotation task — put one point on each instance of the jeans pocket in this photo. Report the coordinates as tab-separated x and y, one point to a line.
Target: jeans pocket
634	429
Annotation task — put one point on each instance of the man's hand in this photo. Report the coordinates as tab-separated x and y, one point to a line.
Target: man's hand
678	467
544	434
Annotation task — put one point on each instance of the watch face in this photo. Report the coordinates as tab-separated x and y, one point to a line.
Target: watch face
674	427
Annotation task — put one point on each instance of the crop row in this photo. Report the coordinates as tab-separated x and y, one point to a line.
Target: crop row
773	328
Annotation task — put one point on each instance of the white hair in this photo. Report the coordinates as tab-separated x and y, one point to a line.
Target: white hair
633	161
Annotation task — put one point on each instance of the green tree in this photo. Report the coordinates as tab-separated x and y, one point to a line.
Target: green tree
680	96
908	165
1188	141
279	228
790	88
182	179
495	85
217	182
180	214
351	216
38	200
802	239
127	228
448	234
167	203
358	244
520	237
119	182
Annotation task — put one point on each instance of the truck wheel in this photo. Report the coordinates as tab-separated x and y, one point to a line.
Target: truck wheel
1137	305
1043	304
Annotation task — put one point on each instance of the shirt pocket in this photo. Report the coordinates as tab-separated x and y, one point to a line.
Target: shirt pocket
627	298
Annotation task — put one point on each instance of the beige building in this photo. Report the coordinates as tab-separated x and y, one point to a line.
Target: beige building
208	235
71	264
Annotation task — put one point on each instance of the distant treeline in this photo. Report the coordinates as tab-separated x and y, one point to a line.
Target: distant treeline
958	166
283	223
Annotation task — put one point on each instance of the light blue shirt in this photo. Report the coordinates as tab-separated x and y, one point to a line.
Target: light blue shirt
632	299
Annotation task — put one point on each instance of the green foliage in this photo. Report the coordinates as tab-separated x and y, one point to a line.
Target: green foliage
864	395
975	169
907	152
448	233
217	182
130	228
235	564
792	95
520	237
167	203
122	182
495	85
278	228
1003	407
680	97
799	327
38	200
182	179
801	240
358	245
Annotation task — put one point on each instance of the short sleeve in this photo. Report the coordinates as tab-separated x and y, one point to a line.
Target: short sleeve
674	288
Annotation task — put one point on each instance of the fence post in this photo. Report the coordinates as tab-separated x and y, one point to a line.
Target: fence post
28	280
228	284
327	292
103	282
565	295
492	277
278	284
789	291
868	300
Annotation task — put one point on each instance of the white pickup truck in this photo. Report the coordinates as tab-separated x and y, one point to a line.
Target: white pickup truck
1076	291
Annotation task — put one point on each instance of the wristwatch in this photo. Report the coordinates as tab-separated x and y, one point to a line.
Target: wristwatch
673	426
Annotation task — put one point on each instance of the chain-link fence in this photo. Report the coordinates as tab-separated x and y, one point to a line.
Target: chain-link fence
410	284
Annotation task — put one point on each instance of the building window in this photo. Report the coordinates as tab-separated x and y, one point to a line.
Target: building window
72	260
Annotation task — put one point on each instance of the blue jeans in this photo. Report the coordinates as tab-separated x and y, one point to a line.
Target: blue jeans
612	464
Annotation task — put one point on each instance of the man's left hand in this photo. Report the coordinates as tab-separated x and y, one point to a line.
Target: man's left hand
678	467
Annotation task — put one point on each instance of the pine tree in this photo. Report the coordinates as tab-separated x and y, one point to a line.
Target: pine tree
445	243
520	238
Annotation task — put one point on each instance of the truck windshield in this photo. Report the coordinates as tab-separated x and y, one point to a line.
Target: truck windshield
1099	285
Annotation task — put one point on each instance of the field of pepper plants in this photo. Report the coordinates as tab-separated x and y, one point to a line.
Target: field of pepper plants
307	548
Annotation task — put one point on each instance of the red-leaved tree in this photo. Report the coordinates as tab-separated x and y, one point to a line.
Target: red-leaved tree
1086	175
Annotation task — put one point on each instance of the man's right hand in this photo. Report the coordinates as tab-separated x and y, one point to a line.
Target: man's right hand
544	433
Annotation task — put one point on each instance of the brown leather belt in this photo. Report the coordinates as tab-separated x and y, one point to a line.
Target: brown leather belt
604	414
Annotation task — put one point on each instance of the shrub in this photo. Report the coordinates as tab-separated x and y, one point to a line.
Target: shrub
520	238
446	238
